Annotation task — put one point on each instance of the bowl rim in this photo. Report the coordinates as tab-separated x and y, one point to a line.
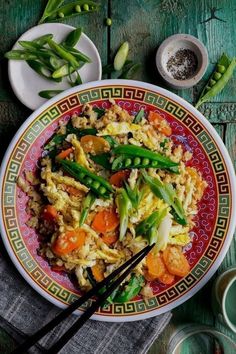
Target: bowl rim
220	145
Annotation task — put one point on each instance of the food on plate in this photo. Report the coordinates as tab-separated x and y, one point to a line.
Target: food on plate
109	184
53	61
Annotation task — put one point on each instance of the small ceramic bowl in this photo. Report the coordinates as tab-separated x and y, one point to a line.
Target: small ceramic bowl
170	47
223	298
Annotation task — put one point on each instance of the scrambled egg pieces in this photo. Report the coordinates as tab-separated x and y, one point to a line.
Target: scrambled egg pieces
57	187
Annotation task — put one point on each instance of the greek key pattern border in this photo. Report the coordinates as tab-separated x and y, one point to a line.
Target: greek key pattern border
63	107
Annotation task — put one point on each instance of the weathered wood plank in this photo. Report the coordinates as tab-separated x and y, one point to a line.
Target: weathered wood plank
145	24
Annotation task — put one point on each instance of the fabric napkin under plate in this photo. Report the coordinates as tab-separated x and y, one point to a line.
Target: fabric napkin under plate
23	311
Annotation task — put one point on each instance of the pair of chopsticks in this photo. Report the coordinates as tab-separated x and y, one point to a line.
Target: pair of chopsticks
110	283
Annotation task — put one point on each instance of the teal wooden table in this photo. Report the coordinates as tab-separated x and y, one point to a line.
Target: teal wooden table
145	24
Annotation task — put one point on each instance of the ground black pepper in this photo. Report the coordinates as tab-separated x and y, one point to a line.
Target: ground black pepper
183	64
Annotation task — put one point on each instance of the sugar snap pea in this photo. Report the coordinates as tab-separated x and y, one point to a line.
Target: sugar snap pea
52	5
43	39
66	70
219	78
63	53
131	290
73	38
30	45
78	54
142	152
72	9
55	62
37	49
20	55
49	93
97	184
129	162
42	70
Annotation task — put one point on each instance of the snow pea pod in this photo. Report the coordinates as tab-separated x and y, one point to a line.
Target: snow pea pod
221	75
20	55
73	37
30	45
66	70
41	69
78	54
97	184
37	49
43	39
49	93
131	290
63	53
72	9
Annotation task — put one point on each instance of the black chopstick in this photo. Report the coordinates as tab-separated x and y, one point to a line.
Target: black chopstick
131	263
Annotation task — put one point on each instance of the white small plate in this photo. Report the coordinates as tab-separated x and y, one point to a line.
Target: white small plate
26	83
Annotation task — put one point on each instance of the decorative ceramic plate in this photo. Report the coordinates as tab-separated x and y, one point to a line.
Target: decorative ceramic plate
215	223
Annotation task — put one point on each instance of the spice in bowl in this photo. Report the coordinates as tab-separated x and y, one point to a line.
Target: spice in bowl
183	64
181	60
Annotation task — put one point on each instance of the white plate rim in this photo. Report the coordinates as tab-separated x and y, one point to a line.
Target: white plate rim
220	145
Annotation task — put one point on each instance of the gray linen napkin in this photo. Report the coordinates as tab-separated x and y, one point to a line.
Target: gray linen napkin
23	311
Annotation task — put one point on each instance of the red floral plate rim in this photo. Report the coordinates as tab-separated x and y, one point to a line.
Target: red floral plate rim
214	225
